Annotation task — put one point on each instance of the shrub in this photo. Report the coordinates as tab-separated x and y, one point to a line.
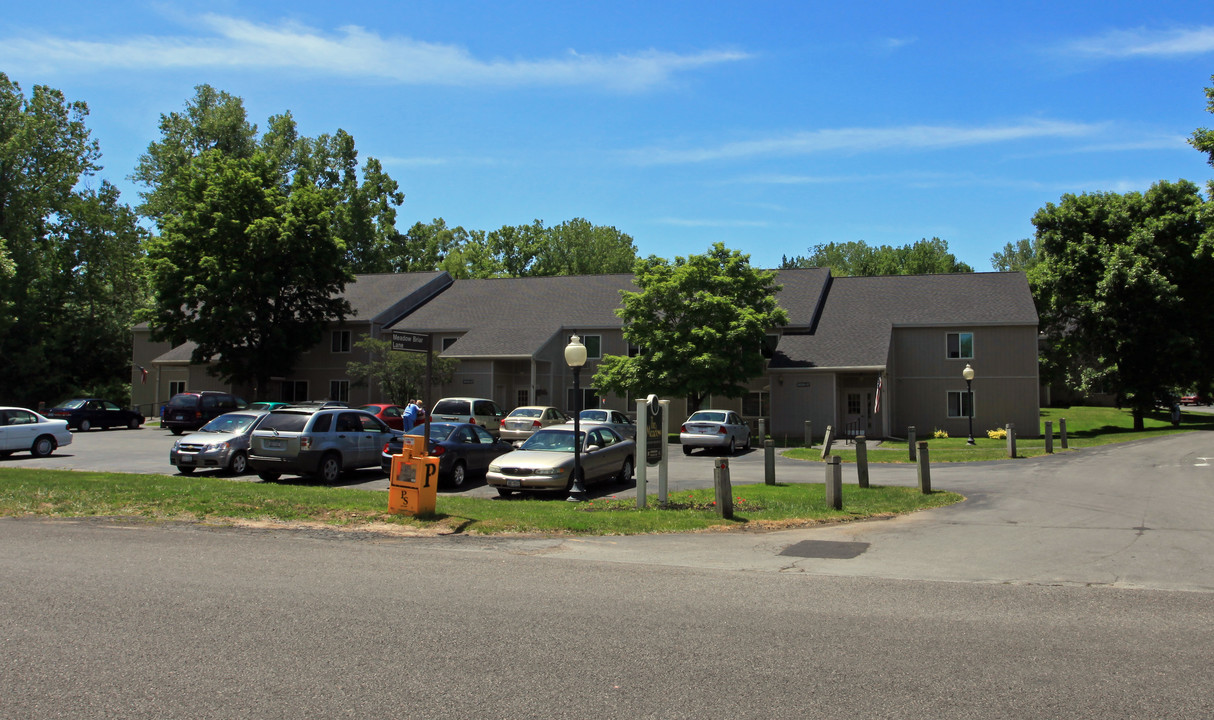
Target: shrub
997	434
940	434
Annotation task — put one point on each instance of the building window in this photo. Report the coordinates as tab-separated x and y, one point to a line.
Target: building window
176	386
757	403
448	342
294	390
633	350
853	404
959	403
522	398
341	341
960	345
594	346
590	399
339	390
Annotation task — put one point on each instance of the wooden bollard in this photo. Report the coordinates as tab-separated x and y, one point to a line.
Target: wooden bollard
809	433
1011	440
1049	437
925	471
862	461
769	462
724	491
1062	431
834	482
910	441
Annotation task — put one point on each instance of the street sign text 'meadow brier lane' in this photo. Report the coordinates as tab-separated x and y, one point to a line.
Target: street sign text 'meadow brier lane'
410	341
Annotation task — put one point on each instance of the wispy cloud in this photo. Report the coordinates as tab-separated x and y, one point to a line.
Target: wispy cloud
862	140
1141	42
351	51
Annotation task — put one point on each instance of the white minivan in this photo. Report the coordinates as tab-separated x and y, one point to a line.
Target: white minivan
477	411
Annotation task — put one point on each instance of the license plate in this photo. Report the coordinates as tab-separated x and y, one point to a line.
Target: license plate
274	444
179	417
514	483
186	459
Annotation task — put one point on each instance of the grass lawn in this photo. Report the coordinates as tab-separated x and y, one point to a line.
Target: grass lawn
61	493
1085	427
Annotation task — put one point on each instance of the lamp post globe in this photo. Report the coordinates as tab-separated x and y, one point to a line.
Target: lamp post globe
968	374
575	358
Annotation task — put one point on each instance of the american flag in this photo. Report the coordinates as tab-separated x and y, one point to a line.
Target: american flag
877	402
143	374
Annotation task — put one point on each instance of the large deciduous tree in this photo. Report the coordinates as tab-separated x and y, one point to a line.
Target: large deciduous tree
72	255
700	324
1122	290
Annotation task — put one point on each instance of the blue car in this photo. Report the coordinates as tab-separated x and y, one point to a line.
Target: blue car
463	450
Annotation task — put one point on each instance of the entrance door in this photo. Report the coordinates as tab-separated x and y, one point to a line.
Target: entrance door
857	402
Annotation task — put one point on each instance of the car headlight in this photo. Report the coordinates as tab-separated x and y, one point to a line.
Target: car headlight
548	471
494	467
215	447
176	445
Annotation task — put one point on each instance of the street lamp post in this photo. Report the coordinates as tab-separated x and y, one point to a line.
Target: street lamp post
575	357
968	374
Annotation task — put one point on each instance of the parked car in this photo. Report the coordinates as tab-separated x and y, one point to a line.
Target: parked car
266	406
24	430
522	422
717	429
317	441
545	460
618	421
86	413
477	411
463	450
393	415
222	444
192	410
1194	400
318	404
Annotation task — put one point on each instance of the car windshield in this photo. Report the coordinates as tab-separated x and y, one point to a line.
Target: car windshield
526	413
184	401
452	407
707	416
551	441
230	423
72	404
595	415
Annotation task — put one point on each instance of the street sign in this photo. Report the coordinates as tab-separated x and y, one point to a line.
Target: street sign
410	341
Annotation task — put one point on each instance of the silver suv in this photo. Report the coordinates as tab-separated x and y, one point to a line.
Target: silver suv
317	441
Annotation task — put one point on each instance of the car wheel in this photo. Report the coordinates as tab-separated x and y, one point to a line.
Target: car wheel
686	449
733	447
626	471
176	431
268	476
185	470
746	444
43	446
330	468
503	492
459	474
133	423
85	426
5	453
239	464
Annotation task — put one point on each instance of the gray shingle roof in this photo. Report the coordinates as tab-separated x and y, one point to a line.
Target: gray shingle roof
385	297
860	313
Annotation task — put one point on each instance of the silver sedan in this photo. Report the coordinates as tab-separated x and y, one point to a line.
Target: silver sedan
719	429
545	460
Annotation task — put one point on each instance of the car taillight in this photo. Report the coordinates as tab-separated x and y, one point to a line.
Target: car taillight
471	421
721	430
437	450
682	428
385	450
536	424
305	442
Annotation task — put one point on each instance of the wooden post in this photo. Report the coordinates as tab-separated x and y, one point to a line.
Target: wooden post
762	430
910	441
724	492
809	433
826	441
834	482
769	462
1062	431
925	472
862	461
1011	440
1049	437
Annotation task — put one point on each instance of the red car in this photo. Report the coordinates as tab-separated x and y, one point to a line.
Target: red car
391	414
1194	400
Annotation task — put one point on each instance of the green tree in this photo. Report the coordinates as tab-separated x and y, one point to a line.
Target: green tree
1121	290
1021	256
246	269
1203	138
860	259
700	323
74	255
401	375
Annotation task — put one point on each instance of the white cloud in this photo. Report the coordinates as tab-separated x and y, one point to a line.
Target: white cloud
1141	42
353	51
862	140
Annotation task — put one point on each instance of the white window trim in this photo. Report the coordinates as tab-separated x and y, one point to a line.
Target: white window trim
340	383
960	405
347	341
959	333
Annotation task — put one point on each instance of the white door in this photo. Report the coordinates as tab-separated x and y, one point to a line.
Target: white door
856	411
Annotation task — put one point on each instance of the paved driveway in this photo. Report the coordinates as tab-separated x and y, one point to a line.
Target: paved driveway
1133	515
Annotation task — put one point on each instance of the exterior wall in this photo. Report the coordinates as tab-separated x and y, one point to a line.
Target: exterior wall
800	395
1005	384
147	396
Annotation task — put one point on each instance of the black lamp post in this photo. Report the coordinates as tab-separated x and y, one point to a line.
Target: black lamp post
575	357
968	374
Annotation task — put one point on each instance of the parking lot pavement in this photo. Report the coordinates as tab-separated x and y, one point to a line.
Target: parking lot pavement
146	450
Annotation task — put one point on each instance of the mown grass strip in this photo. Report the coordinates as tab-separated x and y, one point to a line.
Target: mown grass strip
61	493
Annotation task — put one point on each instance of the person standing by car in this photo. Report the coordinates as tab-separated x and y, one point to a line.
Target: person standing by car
412	415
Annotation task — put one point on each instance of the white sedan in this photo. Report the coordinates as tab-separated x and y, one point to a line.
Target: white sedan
24	430
716	429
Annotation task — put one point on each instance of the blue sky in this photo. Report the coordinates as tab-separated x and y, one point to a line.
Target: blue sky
769	126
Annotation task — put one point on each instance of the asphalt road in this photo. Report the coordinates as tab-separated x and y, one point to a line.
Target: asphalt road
1078	585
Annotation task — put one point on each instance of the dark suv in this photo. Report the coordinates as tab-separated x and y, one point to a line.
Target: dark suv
192	410
317	441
